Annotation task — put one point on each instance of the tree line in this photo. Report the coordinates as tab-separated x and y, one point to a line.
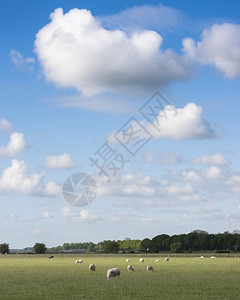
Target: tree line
196	240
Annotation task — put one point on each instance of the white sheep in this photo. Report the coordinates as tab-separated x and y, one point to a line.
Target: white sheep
157	260
92	267
113	272
141	260
127	260
212	257
150	268
166	258
201	256
78	261
130	268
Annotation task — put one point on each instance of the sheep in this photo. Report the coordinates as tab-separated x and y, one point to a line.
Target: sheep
149	268
51	256
166	258
127	260
157	260
141	260
78	261
201	256
130	268
213	257
92	267
113	272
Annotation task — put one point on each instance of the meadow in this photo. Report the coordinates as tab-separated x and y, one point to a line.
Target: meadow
37	277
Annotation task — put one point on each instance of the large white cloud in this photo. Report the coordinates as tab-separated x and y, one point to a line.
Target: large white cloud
220	47
17	179
16	144
186	123
76	51
60	161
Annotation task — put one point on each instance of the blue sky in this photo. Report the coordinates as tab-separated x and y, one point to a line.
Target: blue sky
69	82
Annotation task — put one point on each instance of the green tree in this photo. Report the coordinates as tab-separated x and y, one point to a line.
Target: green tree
39	248
176	247
112	247
4	248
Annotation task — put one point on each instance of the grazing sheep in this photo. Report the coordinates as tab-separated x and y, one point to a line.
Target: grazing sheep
149	268
113	272
127	260
141	260
166	258
92	267
157	260
201	256
130	268
51	256
212	257
78	261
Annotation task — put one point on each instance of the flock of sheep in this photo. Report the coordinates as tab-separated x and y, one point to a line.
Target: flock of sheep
114	272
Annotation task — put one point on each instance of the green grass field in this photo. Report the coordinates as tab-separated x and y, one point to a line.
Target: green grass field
37	277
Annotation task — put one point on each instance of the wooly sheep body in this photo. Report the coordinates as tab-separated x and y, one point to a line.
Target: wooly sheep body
78	261
149	268
113	272
141	260
157	260
92	267
127	260
167	259
130	268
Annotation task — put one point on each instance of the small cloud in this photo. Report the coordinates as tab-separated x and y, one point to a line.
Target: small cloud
5	126
147	219
37	231
47	215
63	161
20	62
16	144
212	172
216	159
83	216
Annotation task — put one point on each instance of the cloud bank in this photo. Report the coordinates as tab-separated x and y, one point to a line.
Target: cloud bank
76	51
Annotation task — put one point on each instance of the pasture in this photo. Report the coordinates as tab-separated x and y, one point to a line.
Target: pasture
37	277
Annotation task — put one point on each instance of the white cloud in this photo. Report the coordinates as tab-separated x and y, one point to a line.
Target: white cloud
20	62
58	162
216	159
186	123
220	47
177	190
191	176
212	172
154	17
76	51
83	216
16	179
5	126
37	231
147	219
16	144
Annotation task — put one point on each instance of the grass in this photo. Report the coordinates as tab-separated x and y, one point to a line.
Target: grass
37	277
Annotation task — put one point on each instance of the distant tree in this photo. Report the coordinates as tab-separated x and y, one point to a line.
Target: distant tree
145	244
176	247
4	248
112	247
90	247
39	248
